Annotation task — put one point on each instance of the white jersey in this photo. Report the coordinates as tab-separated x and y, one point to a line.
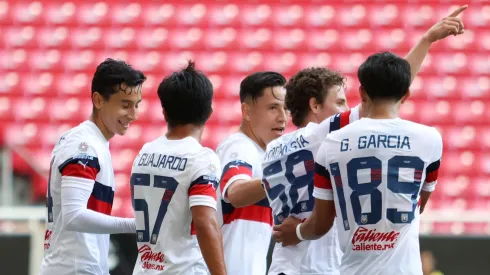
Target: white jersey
246	231
378	167
168	178
81	152
288	170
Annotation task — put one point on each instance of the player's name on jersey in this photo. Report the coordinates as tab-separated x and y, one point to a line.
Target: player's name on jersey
284	148
378	141
161	161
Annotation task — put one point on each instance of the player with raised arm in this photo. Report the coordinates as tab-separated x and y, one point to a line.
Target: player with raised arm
247	230
312	95
370	176
173	185
81	179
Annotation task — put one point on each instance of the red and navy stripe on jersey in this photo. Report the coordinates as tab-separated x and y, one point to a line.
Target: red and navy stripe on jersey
88	167
234	168
205	186
259	212
339	121
322	177
432	171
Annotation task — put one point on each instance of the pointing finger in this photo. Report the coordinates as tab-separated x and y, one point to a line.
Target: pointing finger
458	11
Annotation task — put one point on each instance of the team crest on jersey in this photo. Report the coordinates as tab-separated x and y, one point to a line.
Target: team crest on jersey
212	168
404	217
280	218
83	147
364	219
140	236
303	206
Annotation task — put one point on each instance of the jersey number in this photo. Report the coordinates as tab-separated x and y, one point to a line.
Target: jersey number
371	188
290	192
170	185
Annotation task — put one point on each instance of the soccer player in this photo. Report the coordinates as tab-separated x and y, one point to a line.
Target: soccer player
173	184
81	179
370	176
312	95
247	230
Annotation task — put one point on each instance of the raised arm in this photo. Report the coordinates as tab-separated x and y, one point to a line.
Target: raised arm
450	25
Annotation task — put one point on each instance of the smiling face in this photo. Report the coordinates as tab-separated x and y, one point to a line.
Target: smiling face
267	115
117	112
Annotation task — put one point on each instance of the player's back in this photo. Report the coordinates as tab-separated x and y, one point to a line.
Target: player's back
169	177
378	168
288	179
80	153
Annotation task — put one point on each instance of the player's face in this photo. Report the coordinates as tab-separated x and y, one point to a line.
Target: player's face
121	109
268	115
335	102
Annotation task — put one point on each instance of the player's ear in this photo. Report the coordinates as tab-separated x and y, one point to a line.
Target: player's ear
245	111
97	100
406	96
313	105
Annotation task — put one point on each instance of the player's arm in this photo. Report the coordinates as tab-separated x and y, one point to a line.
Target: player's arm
243	193
432	171
202	202
209	237
450	25
237	185
77	188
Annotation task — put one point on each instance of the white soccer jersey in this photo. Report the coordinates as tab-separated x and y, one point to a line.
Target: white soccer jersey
168	178
246	231
288	170
82	152
379	167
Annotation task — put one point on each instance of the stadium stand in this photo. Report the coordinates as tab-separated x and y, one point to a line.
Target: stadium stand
49	51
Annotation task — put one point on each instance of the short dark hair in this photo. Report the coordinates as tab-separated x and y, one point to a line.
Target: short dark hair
385	76
111	73
311	82
186	96
253	85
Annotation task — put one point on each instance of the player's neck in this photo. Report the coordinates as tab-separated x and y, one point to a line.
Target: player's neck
100	124
247	130
183	131
383	110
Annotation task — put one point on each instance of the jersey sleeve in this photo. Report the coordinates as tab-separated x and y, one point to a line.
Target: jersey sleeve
322	181
432	170
237	160
79	160
205	179
333	123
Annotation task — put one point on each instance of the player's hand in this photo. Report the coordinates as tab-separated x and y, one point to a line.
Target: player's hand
285	233
450	25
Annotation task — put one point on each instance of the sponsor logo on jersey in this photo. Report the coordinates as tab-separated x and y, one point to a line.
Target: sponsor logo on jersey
151	260
369	239
47	238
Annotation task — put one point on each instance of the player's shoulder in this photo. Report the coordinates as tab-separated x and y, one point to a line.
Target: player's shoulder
236	142
428	132
78	140
291	142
